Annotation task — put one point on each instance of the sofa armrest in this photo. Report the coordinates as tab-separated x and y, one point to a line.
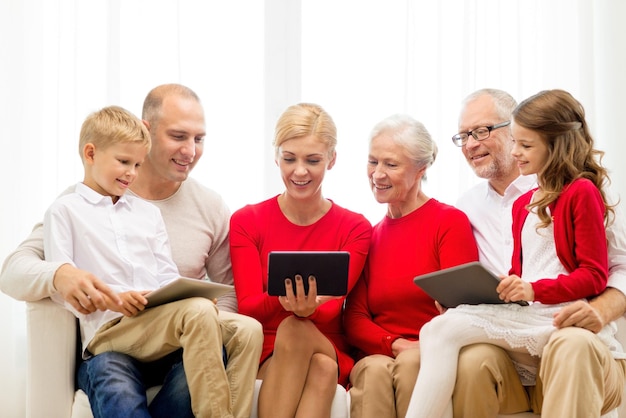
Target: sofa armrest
51	354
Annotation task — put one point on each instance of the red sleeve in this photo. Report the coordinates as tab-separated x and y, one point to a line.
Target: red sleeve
580	239
361	329
245	241
457	244
357	243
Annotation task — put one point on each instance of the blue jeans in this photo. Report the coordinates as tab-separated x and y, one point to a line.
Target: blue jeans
116	386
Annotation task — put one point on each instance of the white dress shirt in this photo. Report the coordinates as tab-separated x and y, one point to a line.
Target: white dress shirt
491	217
123	244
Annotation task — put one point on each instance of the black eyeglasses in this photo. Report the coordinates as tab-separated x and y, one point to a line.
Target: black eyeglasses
481	133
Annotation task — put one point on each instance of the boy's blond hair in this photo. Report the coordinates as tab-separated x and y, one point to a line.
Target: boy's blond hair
112	125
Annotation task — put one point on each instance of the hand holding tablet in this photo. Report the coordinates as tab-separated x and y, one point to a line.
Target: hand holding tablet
469	283
330	269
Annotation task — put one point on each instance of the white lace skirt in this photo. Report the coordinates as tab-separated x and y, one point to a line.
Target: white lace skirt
526	329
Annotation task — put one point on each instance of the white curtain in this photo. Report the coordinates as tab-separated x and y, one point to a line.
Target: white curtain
365	61
361	59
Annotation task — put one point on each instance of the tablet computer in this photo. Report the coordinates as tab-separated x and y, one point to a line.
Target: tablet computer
183	288
469	283
330	269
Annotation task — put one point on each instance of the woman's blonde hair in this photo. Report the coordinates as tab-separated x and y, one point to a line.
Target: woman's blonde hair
305	119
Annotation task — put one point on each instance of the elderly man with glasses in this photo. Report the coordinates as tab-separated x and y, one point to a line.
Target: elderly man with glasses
578	376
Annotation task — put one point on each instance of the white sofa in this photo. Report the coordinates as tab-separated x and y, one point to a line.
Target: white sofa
51	358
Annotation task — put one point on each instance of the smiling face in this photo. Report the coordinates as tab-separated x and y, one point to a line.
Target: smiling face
529	150
394	178
111	170
490	158
177	138
303	163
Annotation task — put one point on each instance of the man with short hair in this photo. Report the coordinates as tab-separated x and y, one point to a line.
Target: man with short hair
197	223
487	382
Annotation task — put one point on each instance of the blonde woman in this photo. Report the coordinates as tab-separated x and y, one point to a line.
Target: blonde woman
304	352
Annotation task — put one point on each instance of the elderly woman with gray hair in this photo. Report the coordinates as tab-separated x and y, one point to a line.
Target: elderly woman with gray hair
418	235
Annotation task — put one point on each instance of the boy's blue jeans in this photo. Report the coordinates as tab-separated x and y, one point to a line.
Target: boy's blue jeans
116	386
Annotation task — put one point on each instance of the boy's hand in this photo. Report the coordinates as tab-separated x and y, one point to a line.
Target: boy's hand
513	288
133	302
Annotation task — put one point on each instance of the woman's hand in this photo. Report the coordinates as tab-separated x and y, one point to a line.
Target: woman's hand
302	304
402	344
513	288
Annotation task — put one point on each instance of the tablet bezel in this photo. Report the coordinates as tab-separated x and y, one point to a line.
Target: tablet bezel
330	269
185	287
470	283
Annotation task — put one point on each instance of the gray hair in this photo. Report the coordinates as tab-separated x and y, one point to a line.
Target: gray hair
503	101
412	135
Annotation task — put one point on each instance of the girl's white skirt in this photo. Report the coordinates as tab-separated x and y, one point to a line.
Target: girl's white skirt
526	328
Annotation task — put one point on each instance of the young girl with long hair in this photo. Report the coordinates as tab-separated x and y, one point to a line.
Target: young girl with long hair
559	249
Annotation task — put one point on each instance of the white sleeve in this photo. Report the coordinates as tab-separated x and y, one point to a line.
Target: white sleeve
616	242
